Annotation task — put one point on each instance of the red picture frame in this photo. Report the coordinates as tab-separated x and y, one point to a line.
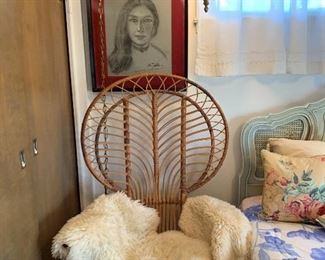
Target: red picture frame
98	42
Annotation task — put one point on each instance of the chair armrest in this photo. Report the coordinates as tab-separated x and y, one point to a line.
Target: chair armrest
219	223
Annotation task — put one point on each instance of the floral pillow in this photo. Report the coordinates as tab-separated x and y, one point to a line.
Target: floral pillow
294	188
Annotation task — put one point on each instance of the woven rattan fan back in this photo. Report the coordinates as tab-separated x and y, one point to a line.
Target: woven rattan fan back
156	137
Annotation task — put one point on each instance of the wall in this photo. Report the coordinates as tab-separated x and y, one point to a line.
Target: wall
240	97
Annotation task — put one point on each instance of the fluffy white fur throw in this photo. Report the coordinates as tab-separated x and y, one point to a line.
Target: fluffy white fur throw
118	228
107	229
220	224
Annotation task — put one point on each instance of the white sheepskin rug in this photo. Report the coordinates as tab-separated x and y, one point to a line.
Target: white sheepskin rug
115	227
107	229
220	224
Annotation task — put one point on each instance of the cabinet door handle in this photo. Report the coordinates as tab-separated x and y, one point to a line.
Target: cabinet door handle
35	149
22	159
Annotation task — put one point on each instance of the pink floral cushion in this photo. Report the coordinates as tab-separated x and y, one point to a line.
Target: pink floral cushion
294	188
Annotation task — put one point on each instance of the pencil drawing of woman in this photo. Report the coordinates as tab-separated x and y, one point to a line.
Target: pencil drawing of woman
133	51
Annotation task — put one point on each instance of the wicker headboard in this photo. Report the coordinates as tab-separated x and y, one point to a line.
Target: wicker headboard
302	122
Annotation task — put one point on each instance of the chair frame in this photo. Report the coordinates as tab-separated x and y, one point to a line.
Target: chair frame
167	108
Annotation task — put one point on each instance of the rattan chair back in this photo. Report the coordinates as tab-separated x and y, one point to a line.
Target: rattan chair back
155	137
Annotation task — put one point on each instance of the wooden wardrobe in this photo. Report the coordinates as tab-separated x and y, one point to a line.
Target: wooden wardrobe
38	169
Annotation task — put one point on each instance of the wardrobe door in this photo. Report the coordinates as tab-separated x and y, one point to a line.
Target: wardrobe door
18	215
51	110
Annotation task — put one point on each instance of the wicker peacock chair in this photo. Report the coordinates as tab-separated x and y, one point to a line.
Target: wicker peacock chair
155	137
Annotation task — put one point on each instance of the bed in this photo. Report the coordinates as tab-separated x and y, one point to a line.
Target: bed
279	239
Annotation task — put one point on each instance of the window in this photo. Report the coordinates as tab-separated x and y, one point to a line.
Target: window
264	6
250	37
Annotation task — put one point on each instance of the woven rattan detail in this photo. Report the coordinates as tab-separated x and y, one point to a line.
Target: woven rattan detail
155	137
292	130
298	123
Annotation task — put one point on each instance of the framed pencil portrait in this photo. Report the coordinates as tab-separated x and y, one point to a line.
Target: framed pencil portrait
128	37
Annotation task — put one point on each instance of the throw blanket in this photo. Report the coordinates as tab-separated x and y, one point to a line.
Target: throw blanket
118	228
220	224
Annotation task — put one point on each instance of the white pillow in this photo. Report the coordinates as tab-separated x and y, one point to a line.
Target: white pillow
296	148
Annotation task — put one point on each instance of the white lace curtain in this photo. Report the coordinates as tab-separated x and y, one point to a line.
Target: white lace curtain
247	37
